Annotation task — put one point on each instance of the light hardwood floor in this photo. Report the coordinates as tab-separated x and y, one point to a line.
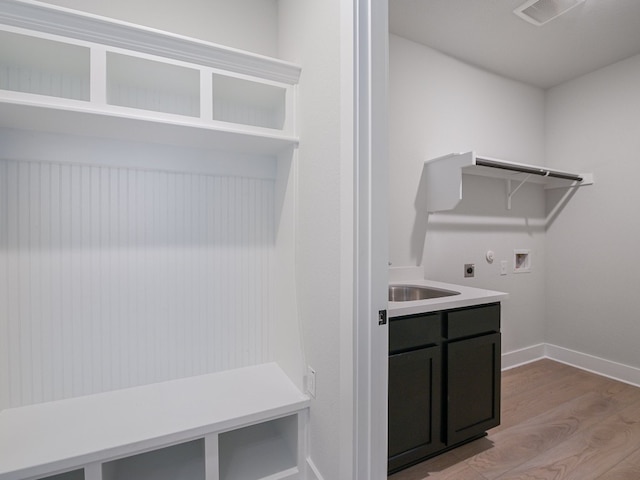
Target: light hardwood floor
558	423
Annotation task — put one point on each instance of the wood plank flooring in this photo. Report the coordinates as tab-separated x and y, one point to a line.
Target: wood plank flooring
558	423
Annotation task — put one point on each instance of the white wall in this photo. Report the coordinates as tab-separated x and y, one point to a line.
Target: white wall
592	274
116	275
439	105
245	24
310	36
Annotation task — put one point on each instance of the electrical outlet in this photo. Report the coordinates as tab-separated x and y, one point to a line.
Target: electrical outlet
503	267
311	381
469	270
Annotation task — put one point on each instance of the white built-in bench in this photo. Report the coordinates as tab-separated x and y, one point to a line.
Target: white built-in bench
241	424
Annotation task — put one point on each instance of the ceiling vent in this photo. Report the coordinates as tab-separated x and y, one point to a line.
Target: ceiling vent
540	12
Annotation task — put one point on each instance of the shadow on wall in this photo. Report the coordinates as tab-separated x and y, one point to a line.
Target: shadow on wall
483	209
556	200
419	231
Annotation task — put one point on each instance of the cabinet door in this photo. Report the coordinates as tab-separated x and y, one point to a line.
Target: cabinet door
414	405
473	387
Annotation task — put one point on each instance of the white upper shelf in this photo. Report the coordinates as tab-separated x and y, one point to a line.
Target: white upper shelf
444	177
114	79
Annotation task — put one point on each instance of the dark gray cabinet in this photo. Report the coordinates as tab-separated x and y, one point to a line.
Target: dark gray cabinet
473	387
444	381
415	433
415	395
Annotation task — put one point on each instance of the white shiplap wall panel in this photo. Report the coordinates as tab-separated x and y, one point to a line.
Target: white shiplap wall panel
115	277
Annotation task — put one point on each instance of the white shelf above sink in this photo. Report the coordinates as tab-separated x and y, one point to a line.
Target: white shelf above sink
444	177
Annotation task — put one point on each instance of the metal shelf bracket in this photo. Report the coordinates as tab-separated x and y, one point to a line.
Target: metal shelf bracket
511	193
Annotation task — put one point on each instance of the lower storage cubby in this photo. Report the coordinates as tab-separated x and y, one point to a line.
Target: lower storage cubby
184	461
266	450
73	475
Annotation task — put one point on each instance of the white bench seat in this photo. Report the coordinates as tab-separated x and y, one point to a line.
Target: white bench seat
43	439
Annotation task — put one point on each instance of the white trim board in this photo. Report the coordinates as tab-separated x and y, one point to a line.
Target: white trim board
523	356
87	27
583	361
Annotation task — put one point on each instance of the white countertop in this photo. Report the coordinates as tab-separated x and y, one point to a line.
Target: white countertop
468	296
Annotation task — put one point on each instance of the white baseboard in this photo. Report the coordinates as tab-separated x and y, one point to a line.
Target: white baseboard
312	472
590	363
523	356
583	361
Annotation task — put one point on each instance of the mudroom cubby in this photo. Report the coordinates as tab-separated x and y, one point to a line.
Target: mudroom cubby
43	66
247	102
159	173
184	460
146	84
264	449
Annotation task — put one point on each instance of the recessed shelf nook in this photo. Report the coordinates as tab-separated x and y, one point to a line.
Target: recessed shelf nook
42	66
